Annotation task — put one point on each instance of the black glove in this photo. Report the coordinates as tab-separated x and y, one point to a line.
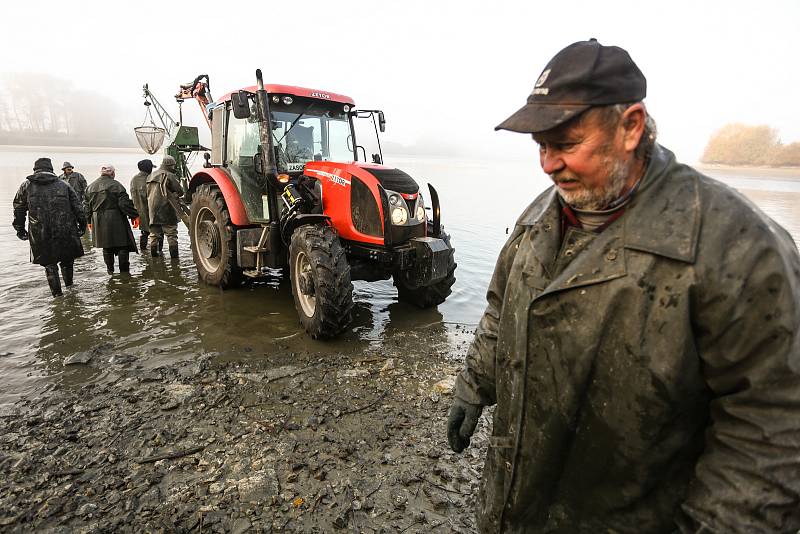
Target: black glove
22	234
461	423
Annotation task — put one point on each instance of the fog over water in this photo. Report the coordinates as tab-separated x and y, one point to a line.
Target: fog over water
445	72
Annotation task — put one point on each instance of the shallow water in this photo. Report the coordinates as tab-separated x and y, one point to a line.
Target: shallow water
161	312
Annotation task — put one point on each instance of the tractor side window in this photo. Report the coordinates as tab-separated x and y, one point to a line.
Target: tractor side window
242	144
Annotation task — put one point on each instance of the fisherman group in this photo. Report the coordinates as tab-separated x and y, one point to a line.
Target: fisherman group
59	209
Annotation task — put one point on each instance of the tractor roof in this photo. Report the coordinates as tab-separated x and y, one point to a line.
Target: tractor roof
296	91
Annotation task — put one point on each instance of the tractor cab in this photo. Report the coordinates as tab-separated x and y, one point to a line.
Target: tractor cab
306	125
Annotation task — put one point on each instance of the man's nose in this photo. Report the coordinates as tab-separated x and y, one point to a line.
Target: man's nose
550	160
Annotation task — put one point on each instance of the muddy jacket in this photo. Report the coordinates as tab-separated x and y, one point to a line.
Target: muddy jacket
139	197
78	183
107	207
55	218
161	211
647	376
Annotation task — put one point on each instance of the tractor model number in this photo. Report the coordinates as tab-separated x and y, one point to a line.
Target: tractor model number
321	95
332	177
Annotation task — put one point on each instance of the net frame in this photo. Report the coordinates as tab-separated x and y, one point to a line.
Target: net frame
149	136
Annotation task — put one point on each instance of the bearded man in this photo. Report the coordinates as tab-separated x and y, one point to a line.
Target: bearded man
641	342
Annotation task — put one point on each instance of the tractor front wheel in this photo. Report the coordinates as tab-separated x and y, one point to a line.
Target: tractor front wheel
434	294
320	278
213	238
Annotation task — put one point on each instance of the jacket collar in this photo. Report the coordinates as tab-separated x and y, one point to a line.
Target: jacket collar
663	217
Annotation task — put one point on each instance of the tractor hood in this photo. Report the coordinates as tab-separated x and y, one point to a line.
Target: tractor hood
388	177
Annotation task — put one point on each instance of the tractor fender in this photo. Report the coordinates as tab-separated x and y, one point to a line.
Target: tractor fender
227	187
304	219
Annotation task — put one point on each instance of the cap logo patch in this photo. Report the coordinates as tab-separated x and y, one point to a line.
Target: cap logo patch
542	78
538	89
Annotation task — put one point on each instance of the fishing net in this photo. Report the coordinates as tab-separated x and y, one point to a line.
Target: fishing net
150	138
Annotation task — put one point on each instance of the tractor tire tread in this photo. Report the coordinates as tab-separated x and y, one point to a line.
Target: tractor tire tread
231	274
334	303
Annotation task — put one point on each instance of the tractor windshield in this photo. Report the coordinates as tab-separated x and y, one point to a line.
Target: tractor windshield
310	130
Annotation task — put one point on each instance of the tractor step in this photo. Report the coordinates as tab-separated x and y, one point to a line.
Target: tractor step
256	250
253	273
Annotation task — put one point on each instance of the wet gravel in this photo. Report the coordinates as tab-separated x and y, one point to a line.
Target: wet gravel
294	442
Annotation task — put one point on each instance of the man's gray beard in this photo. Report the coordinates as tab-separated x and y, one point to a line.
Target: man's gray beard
597	199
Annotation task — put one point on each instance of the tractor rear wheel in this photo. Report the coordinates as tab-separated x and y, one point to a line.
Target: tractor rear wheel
320	278
213	238
434	294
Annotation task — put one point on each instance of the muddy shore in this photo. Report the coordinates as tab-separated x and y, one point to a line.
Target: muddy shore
292	442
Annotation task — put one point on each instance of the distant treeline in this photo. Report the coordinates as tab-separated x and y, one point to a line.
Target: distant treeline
742	144
40	109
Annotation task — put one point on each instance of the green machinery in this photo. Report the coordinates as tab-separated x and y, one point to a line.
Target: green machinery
182	140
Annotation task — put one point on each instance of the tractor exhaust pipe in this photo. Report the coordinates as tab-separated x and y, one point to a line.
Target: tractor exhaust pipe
270	170
437	215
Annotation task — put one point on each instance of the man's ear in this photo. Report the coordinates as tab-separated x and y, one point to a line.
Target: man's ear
633	120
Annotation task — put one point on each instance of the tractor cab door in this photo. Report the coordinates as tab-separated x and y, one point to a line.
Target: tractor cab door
241	145
365	127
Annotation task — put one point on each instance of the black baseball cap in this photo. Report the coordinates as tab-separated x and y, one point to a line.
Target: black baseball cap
582	75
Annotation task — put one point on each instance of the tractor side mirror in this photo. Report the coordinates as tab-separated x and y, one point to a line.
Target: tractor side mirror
381	121
241	105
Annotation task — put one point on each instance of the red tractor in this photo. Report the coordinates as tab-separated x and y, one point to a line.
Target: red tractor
284	188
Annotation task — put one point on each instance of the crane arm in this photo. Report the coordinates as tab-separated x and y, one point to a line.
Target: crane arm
166	120
200	90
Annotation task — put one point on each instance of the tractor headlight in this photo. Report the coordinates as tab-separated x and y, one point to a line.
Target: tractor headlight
420	213
399	216
394	199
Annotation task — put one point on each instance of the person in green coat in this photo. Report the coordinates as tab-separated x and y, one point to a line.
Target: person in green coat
139	197
641	343
108	207
74	179
163	219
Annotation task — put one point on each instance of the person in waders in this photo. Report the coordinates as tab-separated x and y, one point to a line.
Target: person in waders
56	221
641	343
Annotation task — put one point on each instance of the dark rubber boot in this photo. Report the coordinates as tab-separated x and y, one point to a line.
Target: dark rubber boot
143	241
173	252
154	250
161	244
124	263
66	273
53	280
108	257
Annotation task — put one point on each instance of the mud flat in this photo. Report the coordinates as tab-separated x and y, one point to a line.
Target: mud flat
295	442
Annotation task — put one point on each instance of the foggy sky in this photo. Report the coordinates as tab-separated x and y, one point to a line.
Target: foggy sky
441	70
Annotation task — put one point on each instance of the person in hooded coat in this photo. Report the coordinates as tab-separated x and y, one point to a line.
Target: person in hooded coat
139	197
107	206
55	222
163	219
